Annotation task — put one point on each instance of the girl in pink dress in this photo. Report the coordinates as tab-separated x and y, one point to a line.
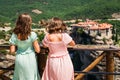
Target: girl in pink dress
59	65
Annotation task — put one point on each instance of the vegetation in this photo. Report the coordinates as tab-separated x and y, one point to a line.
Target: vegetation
67	9
3	52
2	34
41	36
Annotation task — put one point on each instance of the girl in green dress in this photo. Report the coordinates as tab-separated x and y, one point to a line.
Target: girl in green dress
26	42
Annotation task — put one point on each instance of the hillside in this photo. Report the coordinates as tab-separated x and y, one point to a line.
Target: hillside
67	9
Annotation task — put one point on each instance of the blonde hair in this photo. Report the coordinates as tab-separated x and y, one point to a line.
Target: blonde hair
55	25
23	26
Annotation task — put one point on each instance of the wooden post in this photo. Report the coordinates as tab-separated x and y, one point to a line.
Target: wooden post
91	66
109	65
41	59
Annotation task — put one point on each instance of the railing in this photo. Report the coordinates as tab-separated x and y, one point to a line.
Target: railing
108	53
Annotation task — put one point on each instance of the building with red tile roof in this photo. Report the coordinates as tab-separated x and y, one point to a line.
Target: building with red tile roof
94	28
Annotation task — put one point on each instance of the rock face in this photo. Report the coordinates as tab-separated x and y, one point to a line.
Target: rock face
6	66
37	11
104	37
81	59
116	15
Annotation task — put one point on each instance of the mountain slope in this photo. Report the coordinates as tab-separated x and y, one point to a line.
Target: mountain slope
67	9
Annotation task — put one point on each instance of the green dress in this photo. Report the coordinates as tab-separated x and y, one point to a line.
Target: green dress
25	62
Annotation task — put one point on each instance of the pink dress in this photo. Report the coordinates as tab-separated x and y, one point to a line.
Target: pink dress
59	65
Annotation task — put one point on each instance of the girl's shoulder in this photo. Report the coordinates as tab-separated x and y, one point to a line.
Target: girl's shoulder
14	35
33	34
65	34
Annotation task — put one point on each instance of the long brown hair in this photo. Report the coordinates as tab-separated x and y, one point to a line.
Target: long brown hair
23	26
56	25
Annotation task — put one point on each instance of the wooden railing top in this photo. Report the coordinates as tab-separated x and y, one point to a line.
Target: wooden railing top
95	47
82	47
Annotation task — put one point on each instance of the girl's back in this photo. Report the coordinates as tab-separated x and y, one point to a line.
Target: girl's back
57	37
56	45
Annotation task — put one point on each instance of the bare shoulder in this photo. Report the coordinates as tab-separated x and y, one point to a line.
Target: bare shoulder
54	37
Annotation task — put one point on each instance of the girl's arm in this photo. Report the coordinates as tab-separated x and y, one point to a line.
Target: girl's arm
44	46
12	49
36	46
72	43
